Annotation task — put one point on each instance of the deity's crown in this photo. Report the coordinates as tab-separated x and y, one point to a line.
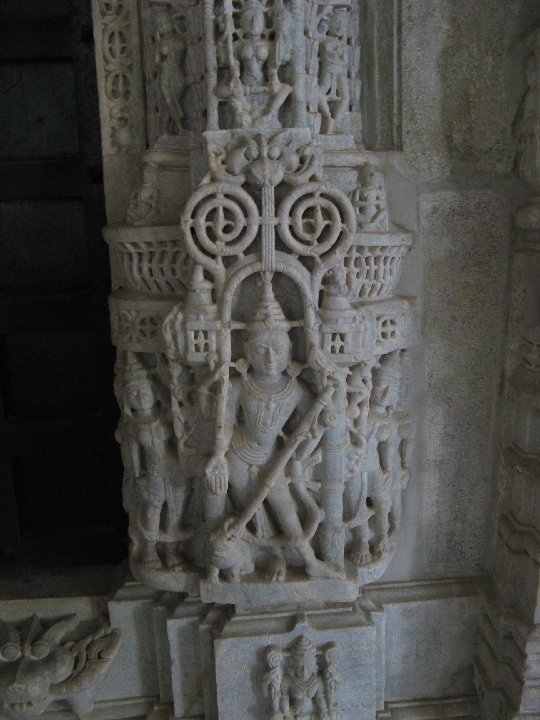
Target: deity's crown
268	314
135	372
389	368
303	646
256	5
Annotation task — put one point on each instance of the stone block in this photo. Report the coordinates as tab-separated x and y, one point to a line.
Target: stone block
185	658
482	83
423	658
135	672
465	236
241	651
424	28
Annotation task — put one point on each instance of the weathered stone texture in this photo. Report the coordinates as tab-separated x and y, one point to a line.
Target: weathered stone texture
465	236
425	27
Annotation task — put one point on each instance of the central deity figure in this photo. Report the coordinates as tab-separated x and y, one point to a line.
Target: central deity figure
264	410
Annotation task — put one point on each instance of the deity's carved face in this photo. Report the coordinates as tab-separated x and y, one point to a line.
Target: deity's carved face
140	396
252	21
269	352
305	665
385	393
164	24
338	23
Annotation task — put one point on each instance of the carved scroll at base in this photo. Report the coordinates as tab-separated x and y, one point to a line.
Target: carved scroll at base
262	356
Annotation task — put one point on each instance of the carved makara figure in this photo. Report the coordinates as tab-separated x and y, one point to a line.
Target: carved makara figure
252	463
43	662
157	481
302	690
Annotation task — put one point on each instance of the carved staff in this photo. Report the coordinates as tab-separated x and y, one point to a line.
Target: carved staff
304	431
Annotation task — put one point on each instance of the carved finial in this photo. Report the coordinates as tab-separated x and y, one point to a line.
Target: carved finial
268	314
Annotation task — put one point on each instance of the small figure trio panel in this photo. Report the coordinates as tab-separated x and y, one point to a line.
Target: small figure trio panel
262	355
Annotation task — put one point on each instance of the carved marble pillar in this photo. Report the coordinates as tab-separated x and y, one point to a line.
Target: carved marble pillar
508	658
261	348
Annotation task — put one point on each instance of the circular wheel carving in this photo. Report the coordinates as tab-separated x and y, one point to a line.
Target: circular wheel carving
219	220
316	220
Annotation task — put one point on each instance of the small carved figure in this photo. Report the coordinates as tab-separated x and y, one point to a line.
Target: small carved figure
169	58
39	665
377	462
302	691
260	404
253	50
274	678
254	90
369	200
143	207
333	70
359	386
147	426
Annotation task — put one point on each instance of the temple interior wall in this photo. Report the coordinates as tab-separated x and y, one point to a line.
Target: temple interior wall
448	158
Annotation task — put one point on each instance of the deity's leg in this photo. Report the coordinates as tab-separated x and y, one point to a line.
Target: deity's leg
379	493
151	499
354	497
282	504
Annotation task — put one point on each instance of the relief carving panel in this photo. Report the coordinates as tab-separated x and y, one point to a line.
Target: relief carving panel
262	355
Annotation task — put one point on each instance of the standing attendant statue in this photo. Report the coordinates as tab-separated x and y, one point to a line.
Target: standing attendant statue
146	429
378	463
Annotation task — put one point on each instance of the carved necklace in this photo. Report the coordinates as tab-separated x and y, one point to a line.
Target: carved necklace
267	400
306	686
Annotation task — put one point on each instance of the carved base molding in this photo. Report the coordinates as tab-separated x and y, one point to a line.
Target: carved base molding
454	709
179	658
507	666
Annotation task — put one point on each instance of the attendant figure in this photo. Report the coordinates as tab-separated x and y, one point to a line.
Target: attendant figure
147	425
303	695
169	58
333	71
